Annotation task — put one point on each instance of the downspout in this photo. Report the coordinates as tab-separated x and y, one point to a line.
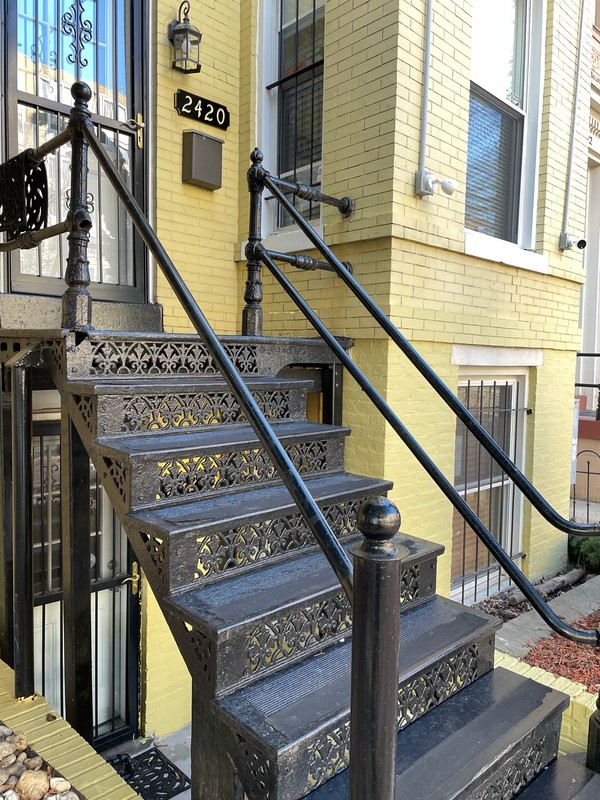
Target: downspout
423	185
426	181
567	241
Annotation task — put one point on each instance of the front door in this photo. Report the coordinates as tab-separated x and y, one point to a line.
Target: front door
49	45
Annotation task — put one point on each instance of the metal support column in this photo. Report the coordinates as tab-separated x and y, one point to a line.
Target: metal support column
332	388
375	652
76	577
252	315
593	748
22	517
6	545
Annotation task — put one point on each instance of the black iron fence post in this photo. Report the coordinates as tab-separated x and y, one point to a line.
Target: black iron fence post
252	315
375	652
593	748
77	303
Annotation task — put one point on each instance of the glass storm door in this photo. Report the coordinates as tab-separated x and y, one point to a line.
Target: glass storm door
114	607
51	44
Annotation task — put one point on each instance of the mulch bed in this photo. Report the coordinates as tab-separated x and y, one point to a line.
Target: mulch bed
566	659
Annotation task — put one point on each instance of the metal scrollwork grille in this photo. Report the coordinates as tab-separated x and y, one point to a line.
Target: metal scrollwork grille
80	29
23	195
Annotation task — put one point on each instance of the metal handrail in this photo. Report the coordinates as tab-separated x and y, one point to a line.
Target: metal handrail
514	473
288	473
501	556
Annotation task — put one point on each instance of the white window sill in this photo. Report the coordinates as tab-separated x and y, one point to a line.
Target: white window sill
483	246
288	241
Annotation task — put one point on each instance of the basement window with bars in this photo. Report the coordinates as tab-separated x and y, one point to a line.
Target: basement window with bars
498	404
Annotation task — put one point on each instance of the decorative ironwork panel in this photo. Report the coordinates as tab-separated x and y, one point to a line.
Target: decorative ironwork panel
200	645
57	355
86	406
287	636
23	195
240	547
410	582
158	412
255	769
157	552
329	753
438	684
118	473
515	773
123	357
80	30
225	470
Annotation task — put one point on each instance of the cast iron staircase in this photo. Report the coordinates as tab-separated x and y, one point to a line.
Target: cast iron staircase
259	616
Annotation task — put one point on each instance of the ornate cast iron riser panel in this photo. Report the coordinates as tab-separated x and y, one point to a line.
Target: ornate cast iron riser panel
23	195
165	481
533	754
161	412
135	357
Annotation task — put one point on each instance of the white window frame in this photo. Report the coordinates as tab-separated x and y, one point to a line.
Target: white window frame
288	239
484	245
474	586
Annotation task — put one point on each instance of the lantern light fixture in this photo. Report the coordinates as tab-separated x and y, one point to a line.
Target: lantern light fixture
185	39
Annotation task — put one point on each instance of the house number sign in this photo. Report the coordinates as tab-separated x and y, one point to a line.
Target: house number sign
201	109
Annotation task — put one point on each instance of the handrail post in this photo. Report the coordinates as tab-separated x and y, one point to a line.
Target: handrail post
252	315
593	748
77	303
375	651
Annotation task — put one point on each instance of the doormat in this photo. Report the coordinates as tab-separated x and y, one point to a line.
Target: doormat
151	774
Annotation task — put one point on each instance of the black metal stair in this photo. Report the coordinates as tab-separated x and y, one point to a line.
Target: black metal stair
252	602
565	779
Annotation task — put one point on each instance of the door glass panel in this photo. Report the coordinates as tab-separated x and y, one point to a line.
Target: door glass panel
58	42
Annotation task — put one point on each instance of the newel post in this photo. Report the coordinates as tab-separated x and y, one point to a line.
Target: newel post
77	303
375	651
252	315
593	748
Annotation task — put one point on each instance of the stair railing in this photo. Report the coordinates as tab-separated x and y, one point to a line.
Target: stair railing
259	254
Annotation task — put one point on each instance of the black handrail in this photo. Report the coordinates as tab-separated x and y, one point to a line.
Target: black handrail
465	416
288	473
505	561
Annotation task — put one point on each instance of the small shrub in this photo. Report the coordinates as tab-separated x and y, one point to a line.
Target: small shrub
585	553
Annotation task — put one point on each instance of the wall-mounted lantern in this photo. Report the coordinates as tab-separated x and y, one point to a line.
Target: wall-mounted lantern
185	39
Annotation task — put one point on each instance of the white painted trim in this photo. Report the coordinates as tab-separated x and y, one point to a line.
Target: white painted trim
150	149
473	355
481	245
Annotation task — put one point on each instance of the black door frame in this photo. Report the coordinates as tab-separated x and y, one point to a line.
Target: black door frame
19	283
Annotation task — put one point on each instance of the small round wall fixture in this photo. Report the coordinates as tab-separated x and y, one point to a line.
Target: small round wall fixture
185	39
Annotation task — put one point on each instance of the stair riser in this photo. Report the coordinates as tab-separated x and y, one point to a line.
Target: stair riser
107	355
178	560
112	415
140	483
298	770
274	642
506	778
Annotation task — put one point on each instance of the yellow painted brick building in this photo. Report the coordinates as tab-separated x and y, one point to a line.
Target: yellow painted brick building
332	92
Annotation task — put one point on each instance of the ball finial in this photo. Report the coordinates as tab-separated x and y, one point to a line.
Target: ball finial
81	91
256	156
378	519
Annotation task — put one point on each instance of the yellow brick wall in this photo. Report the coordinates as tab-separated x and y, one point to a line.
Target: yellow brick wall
199	227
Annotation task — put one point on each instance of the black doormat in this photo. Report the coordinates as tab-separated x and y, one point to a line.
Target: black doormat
151	774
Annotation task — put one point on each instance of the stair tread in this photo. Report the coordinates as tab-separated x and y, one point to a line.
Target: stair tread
282	708
440	754
178	384
233	436
564	779
223	607
224	511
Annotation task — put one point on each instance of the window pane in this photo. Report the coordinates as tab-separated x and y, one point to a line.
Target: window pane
498	47
493	169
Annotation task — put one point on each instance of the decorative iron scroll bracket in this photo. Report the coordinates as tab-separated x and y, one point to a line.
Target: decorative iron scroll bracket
80	30
23	194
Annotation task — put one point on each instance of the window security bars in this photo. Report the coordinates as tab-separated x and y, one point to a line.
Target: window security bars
485	487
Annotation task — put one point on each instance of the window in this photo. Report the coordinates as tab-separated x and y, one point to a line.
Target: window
498	117
295	96
498	404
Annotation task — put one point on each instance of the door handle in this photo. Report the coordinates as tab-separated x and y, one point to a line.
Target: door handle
134	578
138	126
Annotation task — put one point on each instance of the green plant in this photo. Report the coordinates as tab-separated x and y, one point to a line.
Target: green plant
585	553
